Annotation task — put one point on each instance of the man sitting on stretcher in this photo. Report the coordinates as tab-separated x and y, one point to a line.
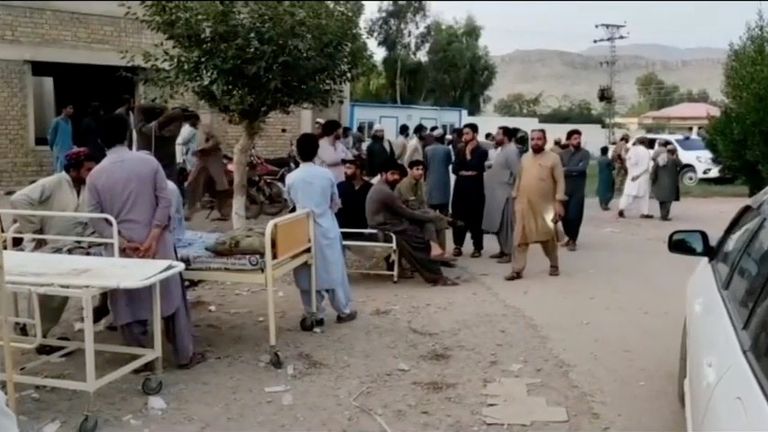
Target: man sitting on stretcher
61	192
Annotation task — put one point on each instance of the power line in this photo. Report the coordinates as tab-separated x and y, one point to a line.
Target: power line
611	34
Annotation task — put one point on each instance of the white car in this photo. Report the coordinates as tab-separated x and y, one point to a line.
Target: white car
692	151
723	376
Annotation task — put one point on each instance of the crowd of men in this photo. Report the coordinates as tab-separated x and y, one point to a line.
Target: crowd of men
521	194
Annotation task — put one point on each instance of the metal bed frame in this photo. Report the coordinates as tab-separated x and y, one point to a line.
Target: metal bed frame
77	277
390	245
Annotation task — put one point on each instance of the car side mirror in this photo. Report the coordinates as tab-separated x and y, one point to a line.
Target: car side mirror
690	243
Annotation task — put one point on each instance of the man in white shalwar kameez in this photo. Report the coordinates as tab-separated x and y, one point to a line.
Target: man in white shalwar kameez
313	187
637	187
61	192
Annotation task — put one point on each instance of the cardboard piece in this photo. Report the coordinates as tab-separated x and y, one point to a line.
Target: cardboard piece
509	403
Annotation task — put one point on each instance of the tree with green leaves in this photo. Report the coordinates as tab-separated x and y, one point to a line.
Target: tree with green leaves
402	29
460	69
654	94
251	59
572	112
737	137
518	105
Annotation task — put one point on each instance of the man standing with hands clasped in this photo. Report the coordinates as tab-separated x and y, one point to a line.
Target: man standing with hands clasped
132	188
539	196
575	163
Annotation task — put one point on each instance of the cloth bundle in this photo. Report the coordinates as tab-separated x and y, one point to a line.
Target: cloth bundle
244	241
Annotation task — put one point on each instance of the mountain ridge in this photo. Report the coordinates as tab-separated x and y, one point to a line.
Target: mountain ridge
578	74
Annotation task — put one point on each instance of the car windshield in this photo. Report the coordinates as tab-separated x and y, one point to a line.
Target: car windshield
691	144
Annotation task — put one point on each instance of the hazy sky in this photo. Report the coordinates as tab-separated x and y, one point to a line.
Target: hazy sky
569	26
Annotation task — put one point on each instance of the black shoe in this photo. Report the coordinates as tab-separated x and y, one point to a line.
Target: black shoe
46	350
341	319
99	313
646	216
621	214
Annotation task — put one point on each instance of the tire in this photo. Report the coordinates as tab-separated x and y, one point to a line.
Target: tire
689	177
275	202
682	370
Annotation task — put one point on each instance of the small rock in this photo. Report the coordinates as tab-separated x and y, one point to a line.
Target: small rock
515	367
260	319
277	389
134	422
128	417
585	322
280	294
211	308
51	427
156	405
34	396
641	383
403	367
317	330
264	358
287	399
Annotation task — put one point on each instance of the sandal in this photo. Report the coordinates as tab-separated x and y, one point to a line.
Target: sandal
196	359
513	276
476	254
554	271
457	252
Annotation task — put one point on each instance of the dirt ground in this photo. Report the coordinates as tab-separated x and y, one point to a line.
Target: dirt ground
603	338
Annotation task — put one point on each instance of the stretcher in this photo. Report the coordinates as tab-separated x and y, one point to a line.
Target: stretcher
81	277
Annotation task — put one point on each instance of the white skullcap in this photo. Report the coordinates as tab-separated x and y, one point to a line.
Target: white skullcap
319	120
437	133
377	127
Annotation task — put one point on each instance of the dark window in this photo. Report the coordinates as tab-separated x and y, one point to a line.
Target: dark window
732	243
692	144
749	274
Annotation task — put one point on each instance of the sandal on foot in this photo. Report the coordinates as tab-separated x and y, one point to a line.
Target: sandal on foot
457	252
196	359
341	319
513	276
476	254
554	271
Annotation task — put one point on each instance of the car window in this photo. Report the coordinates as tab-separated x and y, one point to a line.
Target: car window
692	144
749	274
732	243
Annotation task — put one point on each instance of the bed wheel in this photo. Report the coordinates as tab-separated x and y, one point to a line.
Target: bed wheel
275	360
307	324
151	385
89	424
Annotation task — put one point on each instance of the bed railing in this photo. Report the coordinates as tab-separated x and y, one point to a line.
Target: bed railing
13	233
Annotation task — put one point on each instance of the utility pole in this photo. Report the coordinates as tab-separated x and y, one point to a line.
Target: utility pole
607	93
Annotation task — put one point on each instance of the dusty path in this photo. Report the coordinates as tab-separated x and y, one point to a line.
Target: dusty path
603	339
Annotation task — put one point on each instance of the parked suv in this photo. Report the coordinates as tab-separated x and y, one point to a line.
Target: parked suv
723	375
698	163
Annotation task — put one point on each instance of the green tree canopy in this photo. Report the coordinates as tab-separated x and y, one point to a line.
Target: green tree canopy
250	59
654	94
460	70
737	137
572	112
518	105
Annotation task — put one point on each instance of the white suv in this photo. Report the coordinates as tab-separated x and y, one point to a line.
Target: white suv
723	376
692	152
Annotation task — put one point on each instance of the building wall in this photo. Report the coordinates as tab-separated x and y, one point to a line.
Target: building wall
392	116
78	32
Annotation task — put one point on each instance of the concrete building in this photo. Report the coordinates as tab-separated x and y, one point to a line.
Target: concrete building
56	52
391	116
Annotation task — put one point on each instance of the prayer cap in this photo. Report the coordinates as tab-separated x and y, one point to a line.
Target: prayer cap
77	155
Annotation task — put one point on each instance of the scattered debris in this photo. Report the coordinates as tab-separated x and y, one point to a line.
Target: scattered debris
385	311
290	370
280	294
156	405
421	332
260	319
127	418
509	404
434	386
403	367
34	396
309	361
277	389
317	330
26	392
515	367
238	311
51	427
437	354
212	308
134	422
369	412
287	399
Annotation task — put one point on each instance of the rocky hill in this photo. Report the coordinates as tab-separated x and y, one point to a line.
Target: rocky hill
578	75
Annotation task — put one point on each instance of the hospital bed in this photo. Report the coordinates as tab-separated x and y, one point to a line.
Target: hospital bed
373	239
81	277
288	244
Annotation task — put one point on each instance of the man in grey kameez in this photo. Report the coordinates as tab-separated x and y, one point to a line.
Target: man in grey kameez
132	188
438	158
575	162
498	217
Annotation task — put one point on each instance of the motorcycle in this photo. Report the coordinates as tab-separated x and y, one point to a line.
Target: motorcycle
265	183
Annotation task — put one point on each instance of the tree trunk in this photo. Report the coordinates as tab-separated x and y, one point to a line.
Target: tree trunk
241	156
397	81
